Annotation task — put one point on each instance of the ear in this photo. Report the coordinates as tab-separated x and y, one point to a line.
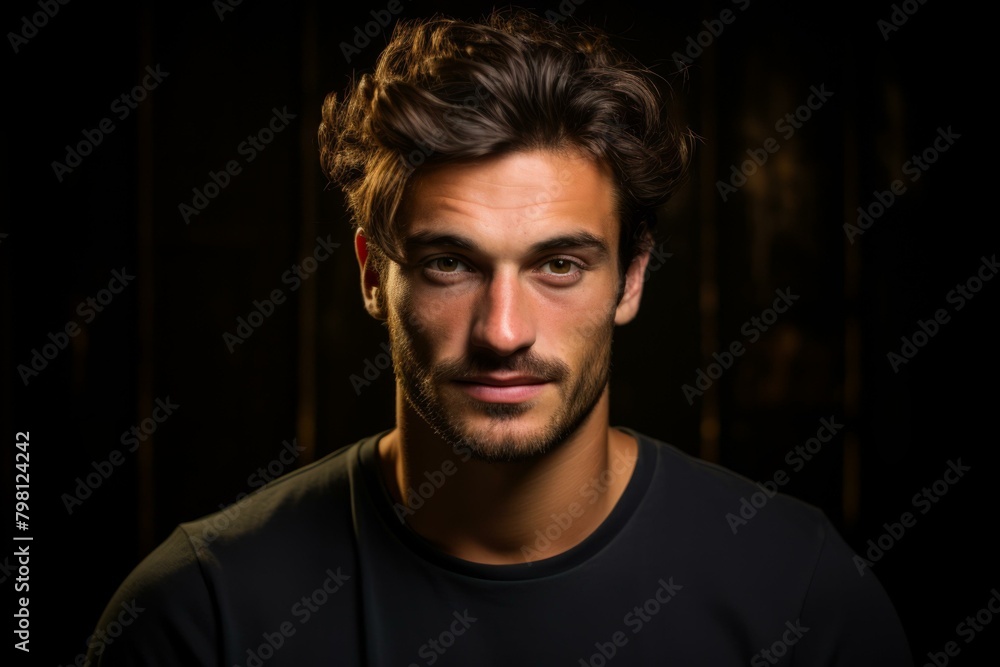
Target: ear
635	277
371	281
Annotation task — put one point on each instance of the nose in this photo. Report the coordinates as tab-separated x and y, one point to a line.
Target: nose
504	320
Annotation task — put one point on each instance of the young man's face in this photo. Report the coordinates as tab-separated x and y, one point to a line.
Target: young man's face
501	316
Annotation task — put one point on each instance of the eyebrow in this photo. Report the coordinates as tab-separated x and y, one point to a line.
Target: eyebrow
576	240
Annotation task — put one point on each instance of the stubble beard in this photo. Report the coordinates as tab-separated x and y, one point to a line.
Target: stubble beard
502	441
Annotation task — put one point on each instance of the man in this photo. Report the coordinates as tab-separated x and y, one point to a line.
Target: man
503	178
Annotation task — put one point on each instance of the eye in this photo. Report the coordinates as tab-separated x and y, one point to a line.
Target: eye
447	265
561	266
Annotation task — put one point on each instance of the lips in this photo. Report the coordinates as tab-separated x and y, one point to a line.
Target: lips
503	380
502	388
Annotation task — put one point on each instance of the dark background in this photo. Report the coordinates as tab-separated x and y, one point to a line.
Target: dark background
162	336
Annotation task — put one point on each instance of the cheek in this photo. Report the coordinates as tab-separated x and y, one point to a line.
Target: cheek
435	325
577	329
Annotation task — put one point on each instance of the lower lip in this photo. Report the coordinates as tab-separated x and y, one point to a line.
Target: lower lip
509	394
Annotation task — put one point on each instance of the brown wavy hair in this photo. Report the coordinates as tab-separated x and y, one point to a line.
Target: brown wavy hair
445	90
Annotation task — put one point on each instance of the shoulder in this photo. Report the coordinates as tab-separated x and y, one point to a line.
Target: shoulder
163	598
319	491
724	497
766	552
297	528
753	525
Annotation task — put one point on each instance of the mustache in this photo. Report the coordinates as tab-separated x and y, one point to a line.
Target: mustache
526	363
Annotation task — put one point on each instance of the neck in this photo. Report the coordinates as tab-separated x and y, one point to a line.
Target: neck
502	513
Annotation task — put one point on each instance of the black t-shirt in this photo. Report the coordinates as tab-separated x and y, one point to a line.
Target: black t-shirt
318	568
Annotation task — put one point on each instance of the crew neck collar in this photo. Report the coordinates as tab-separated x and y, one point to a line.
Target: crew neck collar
598	540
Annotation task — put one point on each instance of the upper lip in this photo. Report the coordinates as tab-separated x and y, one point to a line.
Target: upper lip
503	380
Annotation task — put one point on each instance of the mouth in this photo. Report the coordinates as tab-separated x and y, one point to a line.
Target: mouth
502	388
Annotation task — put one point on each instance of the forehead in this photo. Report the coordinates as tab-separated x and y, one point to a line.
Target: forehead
513	200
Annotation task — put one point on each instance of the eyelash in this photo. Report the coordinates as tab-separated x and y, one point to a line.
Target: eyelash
580	267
